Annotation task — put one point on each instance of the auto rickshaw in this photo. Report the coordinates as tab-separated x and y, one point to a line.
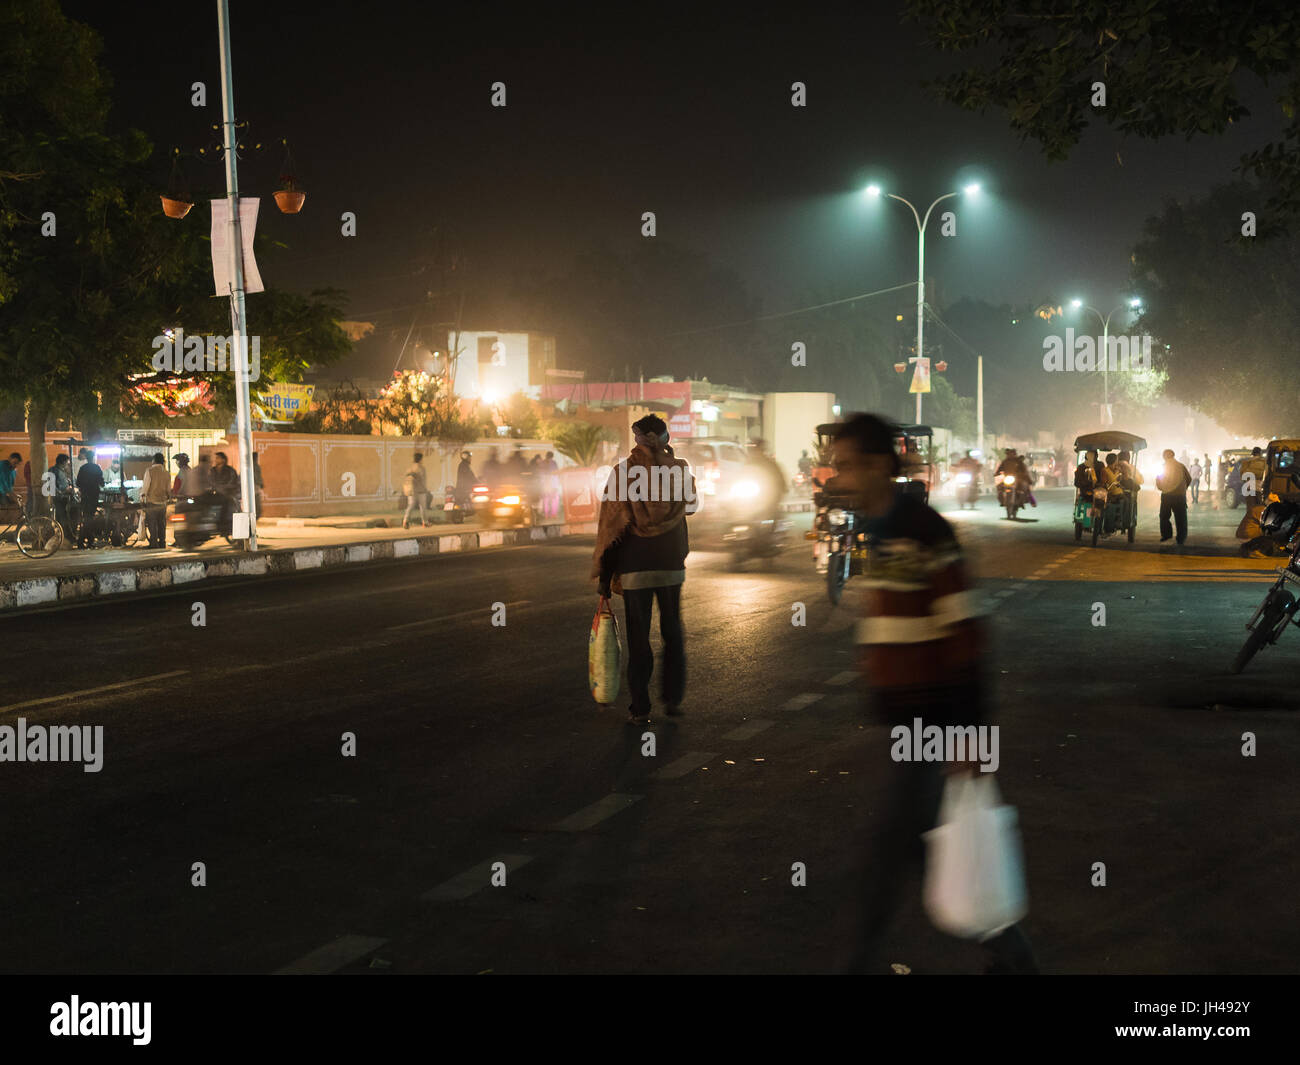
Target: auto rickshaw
1281	483
1231	491
920	473
1103	514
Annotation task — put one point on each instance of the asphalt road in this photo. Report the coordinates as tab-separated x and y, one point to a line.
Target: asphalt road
479	743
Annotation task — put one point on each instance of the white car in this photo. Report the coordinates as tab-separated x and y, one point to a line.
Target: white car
717	463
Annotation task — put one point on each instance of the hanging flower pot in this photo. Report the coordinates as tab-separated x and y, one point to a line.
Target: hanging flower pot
177	201
173	208
899	367
290	200
941	366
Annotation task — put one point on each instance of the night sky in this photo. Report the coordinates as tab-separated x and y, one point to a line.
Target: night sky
612	113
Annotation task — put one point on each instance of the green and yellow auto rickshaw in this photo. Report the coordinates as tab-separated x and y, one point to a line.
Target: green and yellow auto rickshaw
1100	512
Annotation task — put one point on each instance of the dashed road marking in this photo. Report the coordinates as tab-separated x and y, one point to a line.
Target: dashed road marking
748	729
840	679
798	702
684	766
597	812
343	951
472	881
93	691
477	612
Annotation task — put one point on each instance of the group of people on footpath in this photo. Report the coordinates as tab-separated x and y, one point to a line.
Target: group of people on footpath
77	488
921	643
538	479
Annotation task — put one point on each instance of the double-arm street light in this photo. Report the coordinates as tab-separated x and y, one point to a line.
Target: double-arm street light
1132	304
874	191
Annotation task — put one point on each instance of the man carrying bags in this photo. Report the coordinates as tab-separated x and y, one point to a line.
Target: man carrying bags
641	549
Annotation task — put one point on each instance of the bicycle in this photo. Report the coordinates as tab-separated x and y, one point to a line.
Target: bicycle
37	536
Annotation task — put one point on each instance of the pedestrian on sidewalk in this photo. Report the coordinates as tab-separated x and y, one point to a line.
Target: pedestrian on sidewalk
551	480
465	480
61	472
90	483
258	493
153	494
416	491
1173	485
8	468
920	648
1194	472
641	549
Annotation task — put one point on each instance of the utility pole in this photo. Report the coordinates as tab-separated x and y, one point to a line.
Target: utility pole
238	318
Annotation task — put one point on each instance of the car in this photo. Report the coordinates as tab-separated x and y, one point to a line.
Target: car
717	462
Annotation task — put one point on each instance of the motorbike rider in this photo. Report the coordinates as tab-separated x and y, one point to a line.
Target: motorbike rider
805	464
225	482
1015	465
771	477
970	464
465	480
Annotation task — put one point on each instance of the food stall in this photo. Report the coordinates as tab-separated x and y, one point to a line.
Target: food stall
124	463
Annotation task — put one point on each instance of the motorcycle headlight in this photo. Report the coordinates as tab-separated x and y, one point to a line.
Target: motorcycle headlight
510	501
963	478
838	516
1008	479
744	490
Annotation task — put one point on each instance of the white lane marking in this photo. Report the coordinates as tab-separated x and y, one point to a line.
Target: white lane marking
472	881
684	766
477	612
840	679
343	951
1017	586
93	691
748	729
801	701
597	812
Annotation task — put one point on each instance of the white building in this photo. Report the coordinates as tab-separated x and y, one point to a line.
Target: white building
495	364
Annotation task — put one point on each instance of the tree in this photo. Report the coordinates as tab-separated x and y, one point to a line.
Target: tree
1168	67
579	441
1229	311
521	415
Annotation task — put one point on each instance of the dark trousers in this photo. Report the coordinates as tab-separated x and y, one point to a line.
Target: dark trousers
155	519
62	516
912	808
639	603
89	504
1175	504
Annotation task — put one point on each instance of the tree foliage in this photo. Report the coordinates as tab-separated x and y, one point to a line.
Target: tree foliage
1229	309
1169	67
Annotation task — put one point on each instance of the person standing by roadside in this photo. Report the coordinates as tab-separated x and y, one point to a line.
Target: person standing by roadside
258	493
90	482
61	471
7	470
153	494
920	647
551	481
1173	484
1194	472
465	480
416	491
641	549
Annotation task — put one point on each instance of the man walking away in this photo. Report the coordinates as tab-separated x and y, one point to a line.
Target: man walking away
920	647
1173	485
413	485
641	549
464	480
153	494
1195	472
90	482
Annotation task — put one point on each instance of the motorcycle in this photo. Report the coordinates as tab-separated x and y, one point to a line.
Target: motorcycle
1012	494
1281	523
197	519
753	532
801	484
967	488
509	505
455	506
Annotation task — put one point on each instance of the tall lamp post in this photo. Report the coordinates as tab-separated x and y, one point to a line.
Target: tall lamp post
1105	348
874	191
238	318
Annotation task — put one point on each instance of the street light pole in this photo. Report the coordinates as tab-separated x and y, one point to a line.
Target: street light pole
1105	348
238	316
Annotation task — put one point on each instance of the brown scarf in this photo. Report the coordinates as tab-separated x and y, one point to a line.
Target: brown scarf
648	517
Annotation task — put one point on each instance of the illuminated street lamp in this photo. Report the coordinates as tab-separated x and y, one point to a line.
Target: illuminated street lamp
1132	304
875	192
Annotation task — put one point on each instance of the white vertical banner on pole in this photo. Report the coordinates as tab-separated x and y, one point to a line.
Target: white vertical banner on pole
248	206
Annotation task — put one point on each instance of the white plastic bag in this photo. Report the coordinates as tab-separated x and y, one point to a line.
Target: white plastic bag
974	872
604	655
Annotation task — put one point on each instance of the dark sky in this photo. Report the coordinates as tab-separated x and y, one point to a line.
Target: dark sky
613	112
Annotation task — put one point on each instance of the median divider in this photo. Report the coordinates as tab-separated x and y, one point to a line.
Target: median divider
153	573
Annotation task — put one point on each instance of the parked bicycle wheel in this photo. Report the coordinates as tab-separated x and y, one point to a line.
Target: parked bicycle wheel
39	537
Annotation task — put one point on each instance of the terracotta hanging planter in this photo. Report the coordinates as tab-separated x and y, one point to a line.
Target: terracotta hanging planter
290	200
899	367
173	208
941	366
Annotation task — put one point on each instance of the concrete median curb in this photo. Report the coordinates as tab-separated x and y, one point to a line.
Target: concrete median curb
153	574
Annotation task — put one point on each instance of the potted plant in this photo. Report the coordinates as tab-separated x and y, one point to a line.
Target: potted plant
175	208
289	198
176	203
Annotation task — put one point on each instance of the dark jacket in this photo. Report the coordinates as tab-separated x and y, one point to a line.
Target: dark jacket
650	561
90	479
